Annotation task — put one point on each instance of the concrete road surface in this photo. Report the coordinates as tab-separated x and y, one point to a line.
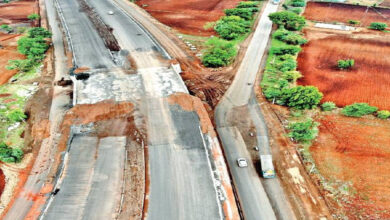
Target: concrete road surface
252	200
91	187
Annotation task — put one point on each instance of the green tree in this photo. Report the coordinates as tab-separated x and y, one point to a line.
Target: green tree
232	27
6	28
328	106
292	76
33	16
289	20
384	114
303	131
16	115
358	110
345	64
245	13
10	155
378	26
288	49
301	97
38	32
220	53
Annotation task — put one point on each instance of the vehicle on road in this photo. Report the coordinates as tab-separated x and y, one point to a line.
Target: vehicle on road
242	162
110	12
267	168
275	2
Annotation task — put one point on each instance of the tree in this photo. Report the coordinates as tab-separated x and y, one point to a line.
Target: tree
328	106
289	20
10	155
288	49
38	32
33	16
378	26
384	114
16	115
358	110
219	54
232	27
245	13
303	131
301	97
345	64
292	76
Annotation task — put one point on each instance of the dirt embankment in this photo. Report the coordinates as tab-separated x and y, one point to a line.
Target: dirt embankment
338	12
8	51
17	11
187	16
368	81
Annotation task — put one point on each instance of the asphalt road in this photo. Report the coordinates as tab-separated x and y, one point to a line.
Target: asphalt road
251	193
91	187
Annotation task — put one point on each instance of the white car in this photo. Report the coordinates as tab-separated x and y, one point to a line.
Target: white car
110	12
242	162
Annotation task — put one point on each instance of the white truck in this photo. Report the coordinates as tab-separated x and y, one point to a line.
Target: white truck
267	167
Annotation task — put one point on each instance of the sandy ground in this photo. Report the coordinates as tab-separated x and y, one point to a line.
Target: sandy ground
385	3
17	11
367	81
356	152
8	51
187	16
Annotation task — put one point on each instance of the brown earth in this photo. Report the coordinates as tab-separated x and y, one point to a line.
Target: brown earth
187	16
357	150
385	3
17	11
338	12
367	81
2	181
8	51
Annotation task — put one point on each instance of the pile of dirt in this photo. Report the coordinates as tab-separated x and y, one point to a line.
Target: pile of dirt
331	12
17	11
356	150
367	81
187	16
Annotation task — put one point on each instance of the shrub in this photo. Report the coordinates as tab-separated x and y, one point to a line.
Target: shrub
292	50
378	26
383	114
5	28
16	115
285	63
345	64
232	27
272	93
33	16
303	131
32	47
354	22
301	97
247	5
296	10
245	13
38	32
219	54
328	106
298	4
358	110
292	76
289	37
10	155
288	20
22	65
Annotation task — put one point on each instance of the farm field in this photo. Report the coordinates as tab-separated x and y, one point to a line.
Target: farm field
332	12
187	16
356	151
368	81
15	12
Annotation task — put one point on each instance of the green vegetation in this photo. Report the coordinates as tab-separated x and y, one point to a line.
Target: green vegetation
295	10
33	16
288	49
345	64
358	110
303	131
354	22
219	53
34	46
10	155
289	37
328	106
301	97
384	114
233	28
378	26
289	20
6	28
298	3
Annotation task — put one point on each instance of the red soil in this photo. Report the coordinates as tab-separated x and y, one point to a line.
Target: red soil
368	81
385	3
16	12
357	150
8	52
2	181
331	12
188	16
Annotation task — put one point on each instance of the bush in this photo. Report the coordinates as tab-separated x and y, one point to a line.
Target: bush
10	155
378	26
289	37
16	115
33	16
295	10
245	13
298	4
358	110
328	106
384	114
301	97
219	54
22	65
303	131
292	76
285	63
345	64
292	50
354	22
288	20
232	27
6	28
38	32
247	5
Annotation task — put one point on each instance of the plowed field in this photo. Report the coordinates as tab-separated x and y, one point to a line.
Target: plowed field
368	81
187	16
336	12
16	12
357	150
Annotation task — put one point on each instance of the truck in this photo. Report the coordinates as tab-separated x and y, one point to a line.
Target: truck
275	2
267	167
